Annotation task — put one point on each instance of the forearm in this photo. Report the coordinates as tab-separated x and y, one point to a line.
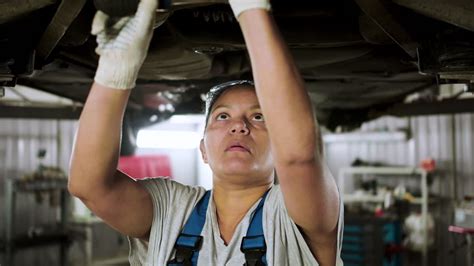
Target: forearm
281	91
97	145
292	127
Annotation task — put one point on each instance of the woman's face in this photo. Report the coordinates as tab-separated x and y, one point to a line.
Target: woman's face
236	142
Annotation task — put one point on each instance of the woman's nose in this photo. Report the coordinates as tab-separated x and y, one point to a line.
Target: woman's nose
239	127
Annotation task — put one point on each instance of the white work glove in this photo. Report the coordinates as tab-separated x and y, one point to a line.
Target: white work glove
123	45
239	6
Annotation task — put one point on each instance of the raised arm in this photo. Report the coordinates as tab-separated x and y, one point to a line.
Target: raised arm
309	191
118	200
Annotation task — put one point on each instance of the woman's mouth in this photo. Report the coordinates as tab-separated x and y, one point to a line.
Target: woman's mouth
237	147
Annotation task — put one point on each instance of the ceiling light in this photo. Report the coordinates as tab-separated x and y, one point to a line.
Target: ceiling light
167	139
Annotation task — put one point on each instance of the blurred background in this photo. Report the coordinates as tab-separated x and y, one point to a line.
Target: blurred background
407	183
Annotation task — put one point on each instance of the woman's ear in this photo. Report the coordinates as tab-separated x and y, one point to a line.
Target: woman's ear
203	151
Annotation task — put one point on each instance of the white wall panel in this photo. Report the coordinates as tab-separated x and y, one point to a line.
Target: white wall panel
20	141
465	153
434	137
448	139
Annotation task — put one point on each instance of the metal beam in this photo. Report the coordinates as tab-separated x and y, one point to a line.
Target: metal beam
452	106
63	112
380	14
65	15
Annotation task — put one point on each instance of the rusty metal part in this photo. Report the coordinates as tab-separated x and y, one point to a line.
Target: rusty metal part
14	9
65	15
456	12
380	13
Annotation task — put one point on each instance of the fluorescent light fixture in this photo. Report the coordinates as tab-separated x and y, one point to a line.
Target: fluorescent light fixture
187	119
167	139
19	92
390	136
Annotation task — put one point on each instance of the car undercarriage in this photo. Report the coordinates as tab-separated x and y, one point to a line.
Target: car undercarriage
360	59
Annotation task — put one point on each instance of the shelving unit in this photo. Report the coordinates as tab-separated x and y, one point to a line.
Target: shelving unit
84	227
58	234
390	172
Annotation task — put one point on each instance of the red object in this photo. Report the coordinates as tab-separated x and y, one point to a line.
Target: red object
379	212
461	230
428	164
392	249
139	167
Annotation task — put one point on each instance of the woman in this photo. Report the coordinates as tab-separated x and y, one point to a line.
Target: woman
252	134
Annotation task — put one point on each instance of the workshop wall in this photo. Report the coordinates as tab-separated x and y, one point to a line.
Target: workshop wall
428	137
448	139
184	161
20	141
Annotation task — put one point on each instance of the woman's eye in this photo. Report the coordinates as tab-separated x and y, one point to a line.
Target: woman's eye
258	117
222	116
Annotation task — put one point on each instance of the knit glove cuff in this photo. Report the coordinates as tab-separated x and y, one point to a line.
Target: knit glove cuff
239	6
117	70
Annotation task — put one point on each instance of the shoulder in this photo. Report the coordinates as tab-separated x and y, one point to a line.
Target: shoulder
173	202
274	197
288	246
280	225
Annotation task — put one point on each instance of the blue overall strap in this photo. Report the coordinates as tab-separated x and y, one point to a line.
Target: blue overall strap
189	240
253	244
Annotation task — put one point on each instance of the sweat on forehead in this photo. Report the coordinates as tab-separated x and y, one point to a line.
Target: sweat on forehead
216	91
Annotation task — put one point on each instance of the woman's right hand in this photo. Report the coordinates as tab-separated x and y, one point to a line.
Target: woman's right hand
123	45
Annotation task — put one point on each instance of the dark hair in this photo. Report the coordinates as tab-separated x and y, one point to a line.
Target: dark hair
216	91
